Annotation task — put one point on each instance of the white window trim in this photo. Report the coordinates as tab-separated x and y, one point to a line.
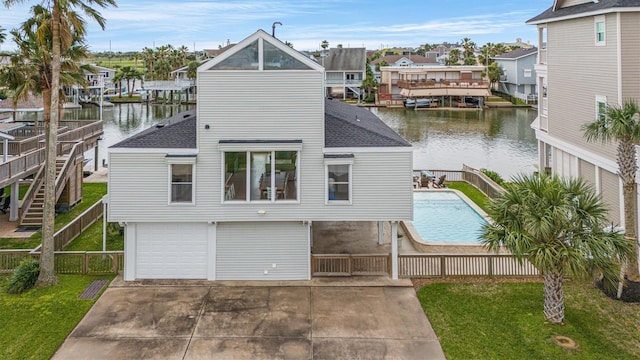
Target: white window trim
338	161
224	148
600	99
181	160
596	21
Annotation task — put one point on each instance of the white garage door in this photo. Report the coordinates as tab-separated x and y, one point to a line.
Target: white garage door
262	251
171	251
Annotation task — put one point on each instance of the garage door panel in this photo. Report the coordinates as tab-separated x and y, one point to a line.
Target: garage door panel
171	251
250	251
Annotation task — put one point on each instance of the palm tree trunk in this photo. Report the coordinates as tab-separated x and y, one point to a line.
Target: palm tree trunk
553	298
47	262
627	169
630	214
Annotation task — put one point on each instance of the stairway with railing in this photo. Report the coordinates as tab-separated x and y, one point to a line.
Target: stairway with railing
32	208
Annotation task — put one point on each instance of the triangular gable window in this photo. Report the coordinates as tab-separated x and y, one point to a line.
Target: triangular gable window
276	59
272	58
245	59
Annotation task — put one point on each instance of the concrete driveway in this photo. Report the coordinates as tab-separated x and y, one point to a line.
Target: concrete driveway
319	319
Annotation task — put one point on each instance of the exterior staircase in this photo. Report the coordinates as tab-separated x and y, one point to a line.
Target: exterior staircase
33	214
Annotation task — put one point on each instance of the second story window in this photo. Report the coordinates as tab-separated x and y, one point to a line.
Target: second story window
601	108
181	190
600	31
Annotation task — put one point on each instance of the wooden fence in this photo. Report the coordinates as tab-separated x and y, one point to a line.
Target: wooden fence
350	265
68	262
73	229
440	265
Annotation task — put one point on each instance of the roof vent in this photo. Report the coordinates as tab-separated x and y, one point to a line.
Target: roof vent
159	126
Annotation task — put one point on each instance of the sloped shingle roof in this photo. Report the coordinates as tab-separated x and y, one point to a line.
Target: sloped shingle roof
518	53
178	132
345	126
346	59
601	5
352	126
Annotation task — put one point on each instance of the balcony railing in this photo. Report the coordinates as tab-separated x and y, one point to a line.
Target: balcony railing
444	84
343	82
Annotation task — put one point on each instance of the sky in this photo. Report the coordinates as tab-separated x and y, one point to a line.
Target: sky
373	24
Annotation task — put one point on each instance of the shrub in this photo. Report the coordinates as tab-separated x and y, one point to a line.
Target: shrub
493	176
24	276
370	98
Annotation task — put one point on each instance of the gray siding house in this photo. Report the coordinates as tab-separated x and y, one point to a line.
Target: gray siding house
345	70
518	74
231	190
587	60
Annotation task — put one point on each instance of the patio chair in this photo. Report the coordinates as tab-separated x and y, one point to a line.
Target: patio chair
438	184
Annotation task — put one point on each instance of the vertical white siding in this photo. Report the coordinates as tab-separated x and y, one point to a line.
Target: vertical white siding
249	251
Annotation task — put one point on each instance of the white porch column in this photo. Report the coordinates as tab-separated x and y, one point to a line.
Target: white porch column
13	206
129	273
212	233
394	250
380	233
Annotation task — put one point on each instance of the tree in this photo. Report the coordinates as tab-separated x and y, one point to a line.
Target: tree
621	124
3	36
63	26
468	53
559	227
494	73
454	57
192	70
324	44
370	83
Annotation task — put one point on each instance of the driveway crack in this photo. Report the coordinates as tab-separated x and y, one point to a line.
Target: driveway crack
198	317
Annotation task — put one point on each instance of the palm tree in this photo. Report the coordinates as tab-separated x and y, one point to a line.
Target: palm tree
559	227
3	36
621	124
454	57
64	24
324	44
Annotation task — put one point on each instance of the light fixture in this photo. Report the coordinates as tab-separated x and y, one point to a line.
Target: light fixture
206	126
261	212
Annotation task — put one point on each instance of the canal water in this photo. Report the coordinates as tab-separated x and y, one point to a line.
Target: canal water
496	139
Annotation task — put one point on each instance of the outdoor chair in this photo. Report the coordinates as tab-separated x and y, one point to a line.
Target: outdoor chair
440	182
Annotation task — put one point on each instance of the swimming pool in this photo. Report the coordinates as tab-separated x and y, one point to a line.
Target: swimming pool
444	217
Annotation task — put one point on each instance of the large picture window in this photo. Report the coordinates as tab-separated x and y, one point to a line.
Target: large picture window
181	183
268	176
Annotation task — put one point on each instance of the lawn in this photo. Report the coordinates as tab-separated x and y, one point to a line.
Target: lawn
92	192
91	240
472	193
493	320
35	324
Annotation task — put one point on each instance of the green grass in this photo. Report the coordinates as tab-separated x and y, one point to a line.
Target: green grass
92	192
34	324
505	321
472	193
91	240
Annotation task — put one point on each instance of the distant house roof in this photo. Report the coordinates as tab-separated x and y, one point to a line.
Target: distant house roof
416	59
346	59
31	103
216	52
345	126
177	132
590	7
352	126
517	54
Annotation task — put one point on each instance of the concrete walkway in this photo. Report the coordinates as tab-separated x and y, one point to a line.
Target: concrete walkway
319	319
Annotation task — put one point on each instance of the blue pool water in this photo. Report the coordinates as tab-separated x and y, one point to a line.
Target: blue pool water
443	217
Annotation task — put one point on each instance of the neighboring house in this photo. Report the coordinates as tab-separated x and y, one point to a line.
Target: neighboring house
519	43
102	76
345	70
447	83
212	53
399	61
518	74
587	59
231	190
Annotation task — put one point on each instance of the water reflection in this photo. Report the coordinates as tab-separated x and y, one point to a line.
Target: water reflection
123	120
497	139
